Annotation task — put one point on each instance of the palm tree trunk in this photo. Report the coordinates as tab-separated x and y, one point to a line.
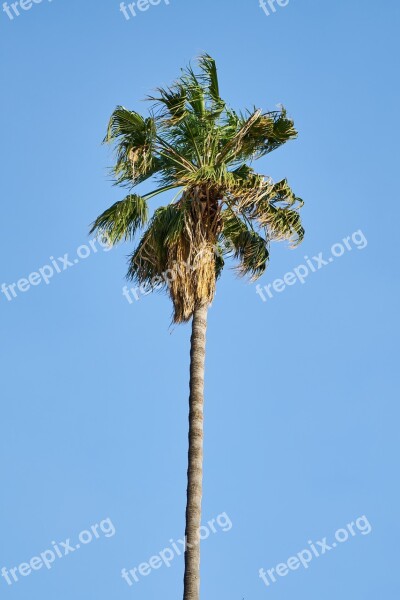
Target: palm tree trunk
195	468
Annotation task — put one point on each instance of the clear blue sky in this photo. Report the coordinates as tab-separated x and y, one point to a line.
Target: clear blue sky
301	411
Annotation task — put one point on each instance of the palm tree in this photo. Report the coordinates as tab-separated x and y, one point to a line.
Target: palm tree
192	142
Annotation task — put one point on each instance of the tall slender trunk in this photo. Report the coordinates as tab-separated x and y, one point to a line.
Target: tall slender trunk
195	467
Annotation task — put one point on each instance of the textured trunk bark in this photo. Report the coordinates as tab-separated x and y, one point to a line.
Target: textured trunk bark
195	468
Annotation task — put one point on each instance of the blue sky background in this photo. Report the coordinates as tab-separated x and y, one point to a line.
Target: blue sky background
301	433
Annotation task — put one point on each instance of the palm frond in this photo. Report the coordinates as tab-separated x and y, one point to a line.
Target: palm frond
151	256
135	139
122	219
283	224
248	246
209	78
255	134
174	100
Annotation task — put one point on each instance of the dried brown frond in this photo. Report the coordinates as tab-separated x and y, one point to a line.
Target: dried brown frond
192	260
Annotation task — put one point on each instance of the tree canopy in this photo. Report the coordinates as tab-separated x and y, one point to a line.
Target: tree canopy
194	143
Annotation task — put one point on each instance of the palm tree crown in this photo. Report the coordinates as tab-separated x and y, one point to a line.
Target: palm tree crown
194	143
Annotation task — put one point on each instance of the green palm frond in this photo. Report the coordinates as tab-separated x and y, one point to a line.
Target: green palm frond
209	78
122	219
248	246
135	145
172	103
234	147
283	224
151	256
274	207
256	134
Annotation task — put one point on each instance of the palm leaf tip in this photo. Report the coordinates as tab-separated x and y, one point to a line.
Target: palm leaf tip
210	76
